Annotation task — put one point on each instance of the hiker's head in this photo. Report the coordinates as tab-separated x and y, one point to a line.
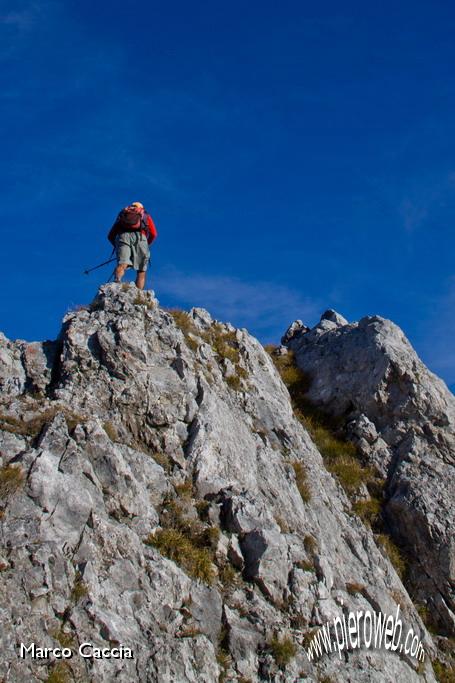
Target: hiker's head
138	206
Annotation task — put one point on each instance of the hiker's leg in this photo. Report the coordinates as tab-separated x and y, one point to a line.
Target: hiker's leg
140	279
124	254
141	260
120	271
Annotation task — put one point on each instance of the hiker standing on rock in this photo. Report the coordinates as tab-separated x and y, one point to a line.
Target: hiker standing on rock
132	234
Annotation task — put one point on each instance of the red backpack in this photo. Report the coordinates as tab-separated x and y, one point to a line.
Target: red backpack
129	219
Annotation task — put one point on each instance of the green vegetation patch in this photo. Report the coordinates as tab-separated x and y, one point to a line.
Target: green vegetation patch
330	446
348	471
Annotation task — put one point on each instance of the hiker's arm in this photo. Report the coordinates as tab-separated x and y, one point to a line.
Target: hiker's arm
152	233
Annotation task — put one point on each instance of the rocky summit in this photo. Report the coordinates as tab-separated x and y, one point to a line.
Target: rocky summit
178	503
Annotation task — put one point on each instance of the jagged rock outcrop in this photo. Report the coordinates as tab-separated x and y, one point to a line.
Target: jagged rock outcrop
402	417
150	497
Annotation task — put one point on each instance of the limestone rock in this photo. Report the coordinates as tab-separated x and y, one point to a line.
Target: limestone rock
296	328
402	417
154	501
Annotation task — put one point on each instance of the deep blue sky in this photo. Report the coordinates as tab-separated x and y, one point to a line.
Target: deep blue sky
295	156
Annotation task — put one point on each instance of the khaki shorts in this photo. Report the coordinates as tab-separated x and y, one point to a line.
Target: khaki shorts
133	250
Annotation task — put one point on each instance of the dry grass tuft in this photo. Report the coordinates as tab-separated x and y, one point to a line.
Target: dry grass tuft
111	431
33	427
301	480
141	299
283	650
310	544
164	460
369	510
223	342
444	672
340	457
65	639
224	661
11	480
185	323
60	673
187	541
188	632
202	508
282	523
355	588
185	489
79	589
294	378
306	565
229	577
234	382
394	554
348	471
177	547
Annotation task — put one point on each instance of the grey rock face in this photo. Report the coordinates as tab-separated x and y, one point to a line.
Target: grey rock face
132	427
296	328
402	418
334	317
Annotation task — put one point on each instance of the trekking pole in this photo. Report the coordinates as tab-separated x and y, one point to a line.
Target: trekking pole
89	270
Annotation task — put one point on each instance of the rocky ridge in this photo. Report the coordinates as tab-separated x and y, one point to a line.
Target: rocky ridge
158	491
402	419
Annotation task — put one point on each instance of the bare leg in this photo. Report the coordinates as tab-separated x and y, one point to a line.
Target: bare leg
140	279
120	271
